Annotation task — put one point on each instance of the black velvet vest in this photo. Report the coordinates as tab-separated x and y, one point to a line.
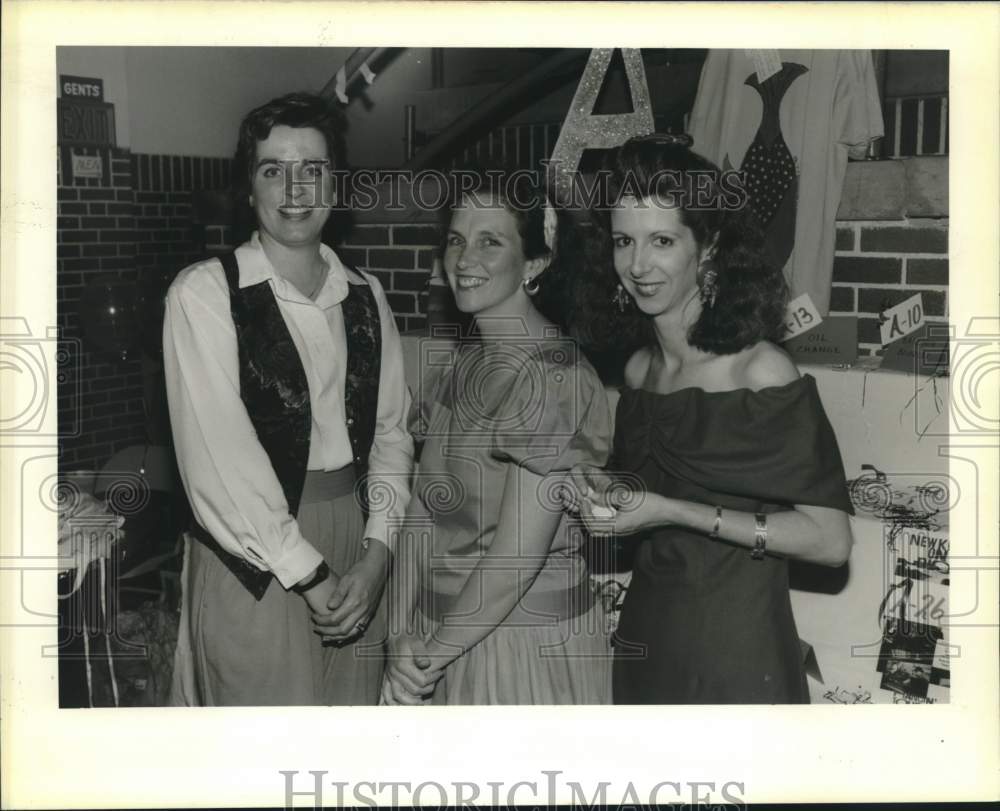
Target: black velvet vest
275	391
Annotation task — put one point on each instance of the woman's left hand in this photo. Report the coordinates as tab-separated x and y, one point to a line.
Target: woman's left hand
409	676
582	482
356	597
642	511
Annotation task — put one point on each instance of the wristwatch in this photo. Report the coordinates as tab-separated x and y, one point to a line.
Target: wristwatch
321	574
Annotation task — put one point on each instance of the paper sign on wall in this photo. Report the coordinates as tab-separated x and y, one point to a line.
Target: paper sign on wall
87	166
800	315
924	351
834	341
904	318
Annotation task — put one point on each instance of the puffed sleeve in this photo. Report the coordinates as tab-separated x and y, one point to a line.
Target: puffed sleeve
554	416
435	362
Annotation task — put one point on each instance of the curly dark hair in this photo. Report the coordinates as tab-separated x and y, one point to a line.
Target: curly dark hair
750	303
304	110
523	194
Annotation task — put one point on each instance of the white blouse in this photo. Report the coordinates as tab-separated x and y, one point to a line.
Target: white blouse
233	490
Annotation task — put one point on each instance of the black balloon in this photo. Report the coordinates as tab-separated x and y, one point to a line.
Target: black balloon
108	316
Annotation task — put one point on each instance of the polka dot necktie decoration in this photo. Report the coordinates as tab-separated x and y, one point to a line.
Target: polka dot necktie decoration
771	180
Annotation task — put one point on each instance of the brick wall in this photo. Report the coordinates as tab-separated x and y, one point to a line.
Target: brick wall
168	234
95	242
879	264
133	228
401	256
892	242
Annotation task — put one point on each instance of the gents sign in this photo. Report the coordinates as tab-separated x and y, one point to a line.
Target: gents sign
81	88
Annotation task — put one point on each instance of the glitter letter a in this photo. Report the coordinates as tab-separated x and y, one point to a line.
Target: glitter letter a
582	129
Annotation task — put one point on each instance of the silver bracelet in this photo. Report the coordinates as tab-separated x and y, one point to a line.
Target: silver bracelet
759	536
714	534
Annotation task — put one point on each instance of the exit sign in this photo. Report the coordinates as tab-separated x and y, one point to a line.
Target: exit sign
86	123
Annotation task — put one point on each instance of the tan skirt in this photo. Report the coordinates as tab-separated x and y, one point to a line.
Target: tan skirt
233	650
562	662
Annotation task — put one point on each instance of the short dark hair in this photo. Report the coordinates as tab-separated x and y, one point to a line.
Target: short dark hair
293	110
300	110
522	193
750	303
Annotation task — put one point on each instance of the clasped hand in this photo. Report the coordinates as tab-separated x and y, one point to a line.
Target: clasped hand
606	509
345	607
409	677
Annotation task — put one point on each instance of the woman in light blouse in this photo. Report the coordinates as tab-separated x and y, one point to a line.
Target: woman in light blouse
287	402
491	601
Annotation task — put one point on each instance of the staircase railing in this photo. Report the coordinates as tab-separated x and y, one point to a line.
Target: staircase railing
915	125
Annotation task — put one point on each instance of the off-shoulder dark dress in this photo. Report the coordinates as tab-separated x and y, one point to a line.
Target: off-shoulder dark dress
703	623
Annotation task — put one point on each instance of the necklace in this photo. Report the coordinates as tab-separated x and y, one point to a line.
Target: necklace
319	284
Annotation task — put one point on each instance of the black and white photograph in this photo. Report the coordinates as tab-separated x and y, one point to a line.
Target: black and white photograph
405	390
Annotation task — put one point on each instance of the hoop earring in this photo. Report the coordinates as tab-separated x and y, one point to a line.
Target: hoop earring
621	298
708	282
531	285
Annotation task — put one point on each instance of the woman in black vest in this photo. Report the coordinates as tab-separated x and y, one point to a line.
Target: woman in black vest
285	385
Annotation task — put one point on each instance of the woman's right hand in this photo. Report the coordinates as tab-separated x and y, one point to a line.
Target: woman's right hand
409	678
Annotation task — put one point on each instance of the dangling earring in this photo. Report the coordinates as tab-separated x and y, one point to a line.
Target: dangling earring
531	285
708	282
621	298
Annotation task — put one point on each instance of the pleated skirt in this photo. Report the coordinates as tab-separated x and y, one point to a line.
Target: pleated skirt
563	662
234	650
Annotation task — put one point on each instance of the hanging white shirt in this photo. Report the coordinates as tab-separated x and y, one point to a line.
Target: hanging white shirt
232	488
828	112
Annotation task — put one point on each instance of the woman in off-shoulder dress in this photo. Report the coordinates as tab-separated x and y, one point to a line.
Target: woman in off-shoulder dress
725	466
